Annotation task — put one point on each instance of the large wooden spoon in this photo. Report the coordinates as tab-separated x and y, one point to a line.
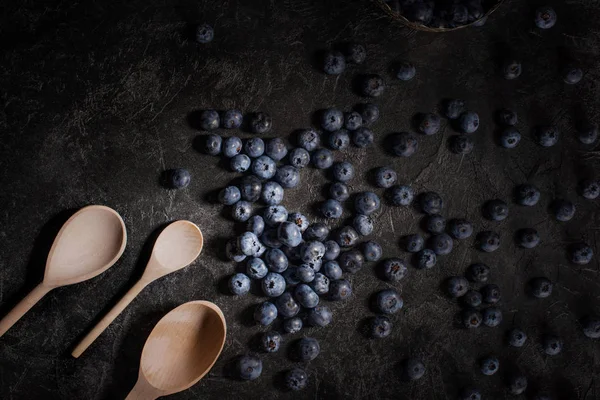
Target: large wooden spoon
180	350
177	246
90	242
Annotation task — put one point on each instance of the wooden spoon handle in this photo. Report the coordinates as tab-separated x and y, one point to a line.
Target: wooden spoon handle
108	318
143	391
24	305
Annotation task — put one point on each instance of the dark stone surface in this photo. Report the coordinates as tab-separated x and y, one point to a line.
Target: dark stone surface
98	98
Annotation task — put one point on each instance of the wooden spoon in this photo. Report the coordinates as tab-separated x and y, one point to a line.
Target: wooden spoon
177	246
89	243
180	350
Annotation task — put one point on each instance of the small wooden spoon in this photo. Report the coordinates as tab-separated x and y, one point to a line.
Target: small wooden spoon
180	350
177	246
89	243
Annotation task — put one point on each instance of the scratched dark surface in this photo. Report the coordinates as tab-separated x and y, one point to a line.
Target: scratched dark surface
95	104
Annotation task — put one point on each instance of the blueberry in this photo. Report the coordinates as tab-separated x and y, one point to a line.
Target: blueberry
453	108
471	318
563	210
320	284
492	317
372	85
239	284
363	224
394	269
528	238
362	137
213	144
491	293
489	365
177	178
292	325
299	219
516	337
332	119
572	74
307	349
265	313
352	121
385	177
379	327
495	210
431	203
587	133
249	367
331	209
478	272
334	63
355	53
404	144
545	17
552	344
507	117
204	33
256	268
343	171
240	163
322	159
546	136
589	189
469	394
276	149
366	203
249	244
435	223
264	167
241	211
229	195
540	287
273	284
346	236
312	251
351	261
260	122
527	195
457	286
406	71
276	260
272	193
270	341
372	251
306	296
316	231
441	244
233	252
468	122
428	123
299	157
580	254
255	147
388	301
426	258
517	383
413	369
511	69
414	243
286	305
461	144
401	195
369	113
288	176
290	276
320	316
488	241
289	234
591	327
231	119
309	139
339	289
275	214
472	298
305	273
296	379
209	120
332	270
460	228
338	140
250	188
339	191
292	253
421	12
459	14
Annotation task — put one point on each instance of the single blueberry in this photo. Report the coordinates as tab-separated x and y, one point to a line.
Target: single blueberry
306	296
307	349
332	119
516	337
385	177
468	122
369	113
276	260
453	108
264	167
580	254
270	341
346	236
241	211
287	306
406	71
471	318
394	269
352	121
511	69
240	163
541	287
435	223
372	85
362	137
254	147
546	136
256	225
334	63
528	238
460	228
305	273
363	224
300	220
250	188
563	210
332	270
380	327
309	139
587	133
292	325
331	209
413	369
339	191
273	284
295	379
472	298
491	293
527	195
233	252
517	383
299	157
552	344
256	268
213	144
490	365
322	159
204	33
492	317
457	286
388	301
428	123
441	244
469	394
272	193
351	261
320	284
339	289
426	258
249	368
276	149
316	231
231	119
332	250
178	178
260	122
495	210
289	234
355	53
288	176
401	195
478	272
366	203
507	117
431	203
414	243
290	276
458	14
461	144
274	215
320	316
372	251
338	140
292	253
265	313
229	195
591	326
343	171
545	17
312	251
589	188
209	120
239	284
249	244
404	144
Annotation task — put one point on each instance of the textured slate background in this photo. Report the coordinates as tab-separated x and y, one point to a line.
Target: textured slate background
96	102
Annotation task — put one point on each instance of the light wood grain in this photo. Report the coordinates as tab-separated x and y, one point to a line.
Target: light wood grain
181	349
89	243
177	246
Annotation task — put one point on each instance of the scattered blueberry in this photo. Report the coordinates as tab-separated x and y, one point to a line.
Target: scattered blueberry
478	272
552	344
233	252
178	178
460	228
332	270
488	241
339	140
453	108
292	325
204	33
510	138
273	284
404	144
426	259
287	306
461	144
320	316
471	318
362	137
276	260
254	147
591	327
299	157
240	163
332	119
431	203
428	123
352	121
276	149
589	189
372	85
307	349
339	289
265	313
231	119
322	159
491	293
306	296
366	203
241	211
572	74
343	171
351	261
528	238
229	195
546	136
372	251
495	210
213	144
249	368
309	139
401	195
256	268
413	369
587	133
545	17
272	193
209	120
507	117
388	301
296	379
394	269
385	177
490	365
435	223
288	176
541	287
289	234
517	383
380	327
516	337
316	231
369	113
332	250
468	122
312	251
355	53
339	191
320	284
305	273
264	167
290	276
270	341
563	210
457	286
274	215
334	63
512	69
472	298
363	224
414	243
260	122
441	244
239	284
492	317
406	71
527	195
581	254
